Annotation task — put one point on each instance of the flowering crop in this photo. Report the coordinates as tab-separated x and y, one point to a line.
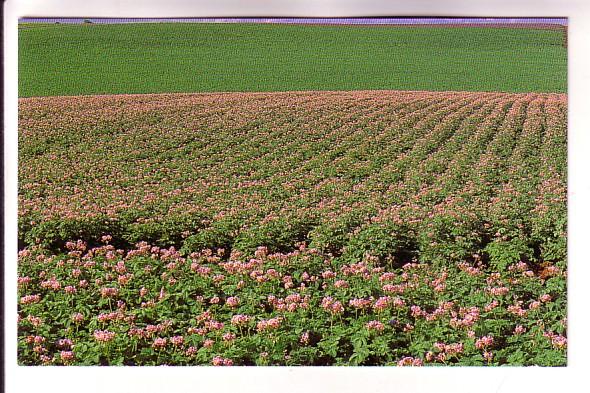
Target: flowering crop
462	324
361	228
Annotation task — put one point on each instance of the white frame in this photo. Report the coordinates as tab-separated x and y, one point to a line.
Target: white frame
306	379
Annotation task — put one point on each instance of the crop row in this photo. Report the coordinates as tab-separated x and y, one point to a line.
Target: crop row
432	175
357	228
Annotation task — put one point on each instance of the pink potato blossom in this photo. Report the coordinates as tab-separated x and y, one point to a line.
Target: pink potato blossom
489	307
214	325
109	292
240	319
220	361
35	321
484	341
382	303
375	325
410	361
232	301
416	311
70	290
77	317
534	305
519	329
498	291
64	343
66	356
159	343
336	308
229	337
559	342
269	324
191	351
341	284
360	303
30	299
304	339
387	277
517	310
103	336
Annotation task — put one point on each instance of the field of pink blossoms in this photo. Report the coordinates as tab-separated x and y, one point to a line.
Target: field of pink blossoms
333	228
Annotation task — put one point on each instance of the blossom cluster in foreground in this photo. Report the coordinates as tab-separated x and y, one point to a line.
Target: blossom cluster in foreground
151	306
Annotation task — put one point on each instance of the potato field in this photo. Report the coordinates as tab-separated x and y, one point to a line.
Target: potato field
293	228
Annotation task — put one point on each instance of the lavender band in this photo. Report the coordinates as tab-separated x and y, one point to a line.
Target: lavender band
330	21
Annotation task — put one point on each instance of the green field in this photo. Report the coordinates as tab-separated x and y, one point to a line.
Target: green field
175	57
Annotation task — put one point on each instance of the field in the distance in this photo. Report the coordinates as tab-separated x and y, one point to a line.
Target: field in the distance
195	57
360	227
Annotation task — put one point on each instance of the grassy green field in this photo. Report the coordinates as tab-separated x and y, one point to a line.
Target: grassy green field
175	57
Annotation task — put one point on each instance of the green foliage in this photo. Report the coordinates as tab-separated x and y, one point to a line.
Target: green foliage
447	237
334	235
385	241
277	235
175	310
504	253
55	233
195	57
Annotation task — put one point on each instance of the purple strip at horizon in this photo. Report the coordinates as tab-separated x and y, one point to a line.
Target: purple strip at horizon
330	21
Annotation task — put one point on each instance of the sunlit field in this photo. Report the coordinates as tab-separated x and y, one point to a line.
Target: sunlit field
297	228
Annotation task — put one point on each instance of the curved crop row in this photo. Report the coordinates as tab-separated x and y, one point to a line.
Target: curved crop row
402	228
